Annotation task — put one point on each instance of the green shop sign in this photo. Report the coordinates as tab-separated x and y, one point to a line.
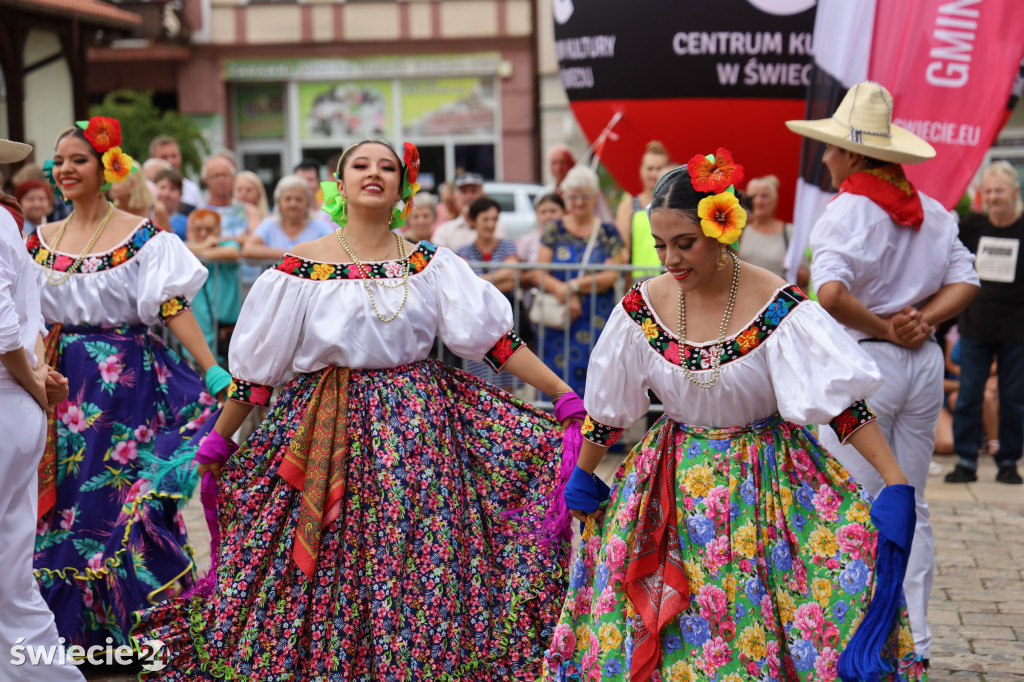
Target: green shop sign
368	68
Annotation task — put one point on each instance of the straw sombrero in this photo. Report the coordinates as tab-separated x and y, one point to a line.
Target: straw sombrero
863	124
13	151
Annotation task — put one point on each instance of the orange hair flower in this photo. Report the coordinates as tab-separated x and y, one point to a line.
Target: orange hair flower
103	133
116	165
722	217
715	174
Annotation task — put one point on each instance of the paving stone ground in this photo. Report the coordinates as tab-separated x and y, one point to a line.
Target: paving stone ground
977	605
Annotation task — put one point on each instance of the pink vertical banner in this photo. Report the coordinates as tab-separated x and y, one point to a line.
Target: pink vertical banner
950	65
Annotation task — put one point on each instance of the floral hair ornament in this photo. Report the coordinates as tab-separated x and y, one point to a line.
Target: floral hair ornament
715	173
721	216
411	168
104	134
335	204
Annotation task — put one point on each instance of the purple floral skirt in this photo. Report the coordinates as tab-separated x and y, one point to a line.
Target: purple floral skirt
115	540
423	576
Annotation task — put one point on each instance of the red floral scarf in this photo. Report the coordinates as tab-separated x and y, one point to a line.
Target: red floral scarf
888	187
656	581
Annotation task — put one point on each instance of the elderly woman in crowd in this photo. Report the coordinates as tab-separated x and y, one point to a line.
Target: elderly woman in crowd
249	190
36	201
992	328
421	221
289	225
581	239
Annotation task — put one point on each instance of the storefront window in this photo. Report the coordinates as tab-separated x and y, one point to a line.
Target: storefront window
259	111
340	111
323	106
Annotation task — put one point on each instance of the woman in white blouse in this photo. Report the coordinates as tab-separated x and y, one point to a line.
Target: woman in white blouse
111	539
731	544
381	523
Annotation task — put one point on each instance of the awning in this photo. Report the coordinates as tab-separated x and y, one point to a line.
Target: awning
93	12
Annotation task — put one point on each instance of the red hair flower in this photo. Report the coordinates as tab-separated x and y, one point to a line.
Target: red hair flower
412	161
409	184
103	133
116	165
722	217
715	175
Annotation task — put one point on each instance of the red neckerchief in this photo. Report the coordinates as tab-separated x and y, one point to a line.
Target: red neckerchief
11	204
888	187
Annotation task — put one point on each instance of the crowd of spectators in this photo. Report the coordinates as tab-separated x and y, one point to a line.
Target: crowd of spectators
983	411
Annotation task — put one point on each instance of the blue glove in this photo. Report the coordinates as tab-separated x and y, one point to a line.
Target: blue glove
585	491
894	514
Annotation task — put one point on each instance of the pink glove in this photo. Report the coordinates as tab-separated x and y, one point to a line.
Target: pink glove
215	449
570	406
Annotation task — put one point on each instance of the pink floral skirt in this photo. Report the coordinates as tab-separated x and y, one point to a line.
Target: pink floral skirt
422	577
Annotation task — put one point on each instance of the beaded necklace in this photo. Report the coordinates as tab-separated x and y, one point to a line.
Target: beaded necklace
63	277
716	350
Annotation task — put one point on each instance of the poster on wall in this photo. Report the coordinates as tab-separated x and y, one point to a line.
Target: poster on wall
723	74
343	110
448	106
259	111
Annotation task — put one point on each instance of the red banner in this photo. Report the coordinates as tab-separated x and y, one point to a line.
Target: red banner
950	65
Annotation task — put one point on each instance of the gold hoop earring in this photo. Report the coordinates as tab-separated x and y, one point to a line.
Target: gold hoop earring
723	258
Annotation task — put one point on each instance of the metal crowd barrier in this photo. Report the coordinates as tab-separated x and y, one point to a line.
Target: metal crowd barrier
520	296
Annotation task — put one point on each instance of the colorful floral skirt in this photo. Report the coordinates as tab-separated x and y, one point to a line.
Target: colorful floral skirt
768	533
424	575
115	541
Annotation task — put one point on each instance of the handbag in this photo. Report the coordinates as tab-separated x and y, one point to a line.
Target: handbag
546	310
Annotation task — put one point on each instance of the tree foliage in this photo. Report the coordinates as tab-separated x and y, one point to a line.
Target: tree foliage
141	121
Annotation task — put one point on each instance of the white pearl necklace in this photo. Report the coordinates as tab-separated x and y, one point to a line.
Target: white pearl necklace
364	274
716	350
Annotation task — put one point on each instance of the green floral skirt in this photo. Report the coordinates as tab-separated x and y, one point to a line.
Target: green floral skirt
731	554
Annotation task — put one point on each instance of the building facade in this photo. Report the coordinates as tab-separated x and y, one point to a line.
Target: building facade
280	81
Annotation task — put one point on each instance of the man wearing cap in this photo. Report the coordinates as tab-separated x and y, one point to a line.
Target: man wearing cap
27	388
889	267
456	233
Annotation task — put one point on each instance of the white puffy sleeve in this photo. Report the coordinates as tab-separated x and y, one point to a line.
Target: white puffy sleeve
267	336
475	319
819	372
616	393
169	278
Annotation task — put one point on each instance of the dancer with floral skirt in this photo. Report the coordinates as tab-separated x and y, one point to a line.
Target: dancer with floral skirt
116	467
382	522
732	547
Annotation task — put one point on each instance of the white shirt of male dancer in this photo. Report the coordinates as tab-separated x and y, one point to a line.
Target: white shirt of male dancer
26	623
889	285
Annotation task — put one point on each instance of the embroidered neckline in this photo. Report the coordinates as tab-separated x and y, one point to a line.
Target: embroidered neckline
392	269
97	262
698	356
